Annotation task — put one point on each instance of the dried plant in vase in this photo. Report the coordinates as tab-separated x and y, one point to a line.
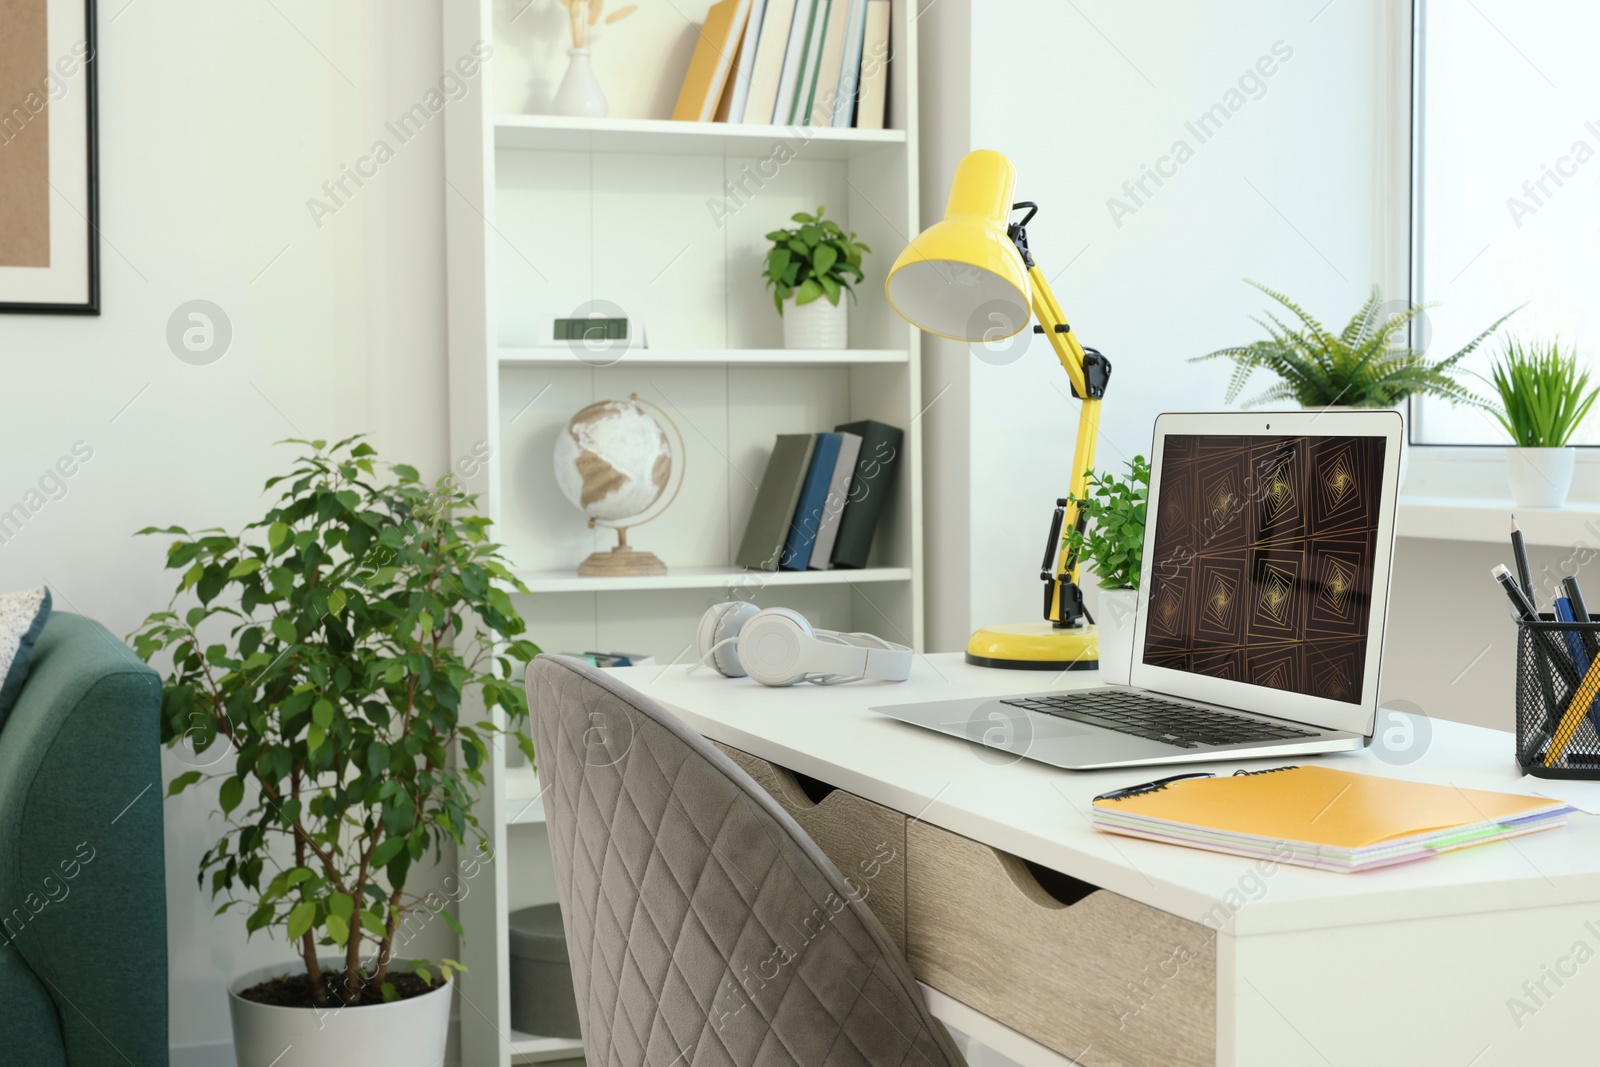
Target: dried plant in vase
579	94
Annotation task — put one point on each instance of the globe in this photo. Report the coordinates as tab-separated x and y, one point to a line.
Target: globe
613	460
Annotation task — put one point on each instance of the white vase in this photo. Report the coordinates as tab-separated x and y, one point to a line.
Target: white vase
818	324
1114	627
1540	477
405	1033
579	94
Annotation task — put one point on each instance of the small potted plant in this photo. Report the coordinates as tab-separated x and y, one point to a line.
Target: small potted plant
1112	542
1543	398
320	665
1368	364
809	268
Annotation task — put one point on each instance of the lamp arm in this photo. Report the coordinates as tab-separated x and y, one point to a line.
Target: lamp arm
1089	372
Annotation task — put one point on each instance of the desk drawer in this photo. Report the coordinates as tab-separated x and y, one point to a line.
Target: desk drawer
1104	979
866	841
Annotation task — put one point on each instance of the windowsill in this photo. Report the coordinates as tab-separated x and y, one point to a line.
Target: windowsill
1461	494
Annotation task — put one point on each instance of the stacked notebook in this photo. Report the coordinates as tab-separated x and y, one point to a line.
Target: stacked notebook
790	63
821	498
1320	817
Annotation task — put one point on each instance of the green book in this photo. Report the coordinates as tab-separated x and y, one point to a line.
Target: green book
869	489
768	528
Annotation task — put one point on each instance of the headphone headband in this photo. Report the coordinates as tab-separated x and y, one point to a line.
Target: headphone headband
778	647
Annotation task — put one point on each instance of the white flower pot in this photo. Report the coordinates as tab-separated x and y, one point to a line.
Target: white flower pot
1114	626
1540	477
818	324
406	1033
579	94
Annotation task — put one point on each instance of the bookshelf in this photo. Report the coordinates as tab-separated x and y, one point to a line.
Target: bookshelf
663	221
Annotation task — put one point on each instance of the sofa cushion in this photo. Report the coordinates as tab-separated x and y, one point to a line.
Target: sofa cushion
22	619
29	1030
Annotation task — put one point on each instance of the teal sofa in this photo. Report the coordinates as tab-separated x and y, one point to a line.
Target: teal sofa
83	959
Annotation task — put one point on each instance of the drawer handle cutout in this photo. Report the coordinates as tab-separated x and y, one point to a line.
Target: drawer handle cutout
1043	886
815	789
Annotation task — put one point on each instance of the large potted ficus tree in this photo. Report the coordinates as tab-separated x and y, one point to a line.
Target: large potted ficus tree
332	650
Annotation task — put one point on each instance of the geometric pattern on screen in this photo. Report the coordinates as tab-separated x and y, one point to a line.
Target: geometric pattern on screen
1263	560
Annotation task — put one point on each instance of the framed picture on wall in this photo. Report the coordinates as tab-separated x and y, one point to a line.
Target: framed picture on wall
49	196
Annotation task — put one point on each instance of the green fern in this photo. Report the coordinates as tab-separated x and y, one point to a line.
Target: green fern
1368	364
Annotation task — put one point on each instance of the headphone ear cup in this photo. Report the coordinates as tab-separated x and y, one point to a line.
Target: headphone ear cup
772	646
720	622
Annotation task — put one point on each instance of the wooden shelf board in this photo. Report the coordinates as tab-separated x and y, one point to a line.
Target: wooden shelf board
705	578
559	133
562	356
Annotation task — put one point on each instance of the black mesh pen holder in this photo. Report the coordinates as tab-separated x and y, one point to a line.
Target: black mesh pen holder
1558	698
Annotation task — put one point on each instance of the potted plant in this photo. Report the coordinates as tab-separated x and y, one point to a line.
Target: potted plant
1543	398
329	649
1112	541
1368	364
808	269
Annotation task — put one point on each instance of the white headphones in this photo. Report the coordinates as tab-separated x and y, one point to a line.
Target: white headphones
777	646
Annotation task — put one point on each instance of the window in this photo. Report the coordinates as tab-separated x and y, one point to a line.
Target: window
1506	158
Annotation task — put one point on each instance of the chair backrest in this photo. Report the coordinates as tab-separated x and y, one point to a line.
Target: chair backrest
704	927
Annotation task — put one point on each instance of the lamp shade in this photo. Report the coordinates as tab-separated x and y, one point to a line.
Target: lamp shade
963	278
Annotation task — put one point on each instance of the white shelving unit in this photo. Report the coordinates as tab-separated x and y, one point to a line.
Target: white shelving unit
664	222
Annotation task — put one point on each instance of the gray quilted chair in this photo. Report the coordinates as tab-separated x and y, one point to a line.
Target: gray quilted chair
705	928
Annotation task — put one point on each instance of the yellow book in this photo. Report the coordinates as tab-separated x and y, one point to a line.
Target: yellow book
1317	816
714	54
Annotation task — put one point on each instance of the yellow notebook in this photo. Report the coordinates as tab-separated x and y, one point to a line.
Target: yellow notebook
1321	817
714	54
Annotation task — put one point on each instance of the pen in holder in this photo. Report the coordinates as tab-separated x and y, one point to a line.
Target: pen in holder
1558	697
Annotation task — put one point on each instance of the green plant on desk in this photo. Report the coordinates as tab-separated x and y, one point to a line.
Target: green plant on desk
1368	364
1112	540
814	260
1543	394
324	654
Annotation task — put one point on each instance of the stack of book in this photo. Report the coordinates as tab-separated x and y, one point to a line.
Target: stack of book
790	63
821	498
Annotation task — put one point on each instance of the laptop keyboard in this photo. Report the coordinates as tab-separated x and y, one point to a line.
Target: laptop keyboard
1151	717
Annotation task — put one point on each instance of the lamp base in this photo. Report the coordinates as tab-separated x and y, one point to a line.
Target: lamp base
621	562
1035	646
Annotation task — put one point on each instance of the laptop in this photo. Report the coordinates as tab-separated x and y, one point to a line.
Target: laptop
1263	593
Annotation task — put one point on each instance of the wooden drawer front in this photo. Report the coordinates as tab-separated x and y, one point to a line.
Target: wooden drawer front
866	841
1105	980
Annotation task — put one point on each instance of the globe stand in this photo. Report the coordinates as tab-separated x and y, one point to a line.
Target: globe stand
623	561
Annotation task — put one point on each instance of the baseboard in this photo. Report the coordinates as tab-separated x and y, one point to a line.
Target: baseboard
220	1053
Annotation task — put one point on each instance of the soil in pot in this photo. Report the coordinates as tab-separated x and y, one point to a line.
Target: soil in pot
294	990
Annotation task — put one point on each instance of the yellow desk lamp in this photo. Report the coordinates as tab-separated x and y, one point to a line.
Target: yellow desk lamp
971	278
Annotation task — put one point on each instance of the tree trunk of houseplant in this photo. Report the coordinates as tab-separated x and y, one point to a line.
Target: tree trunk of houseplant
1114	623
403	1033
1540	477
818	324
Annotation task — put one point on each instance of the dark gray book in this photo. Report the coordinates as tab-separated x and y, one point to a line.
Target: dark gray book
768	528
869	490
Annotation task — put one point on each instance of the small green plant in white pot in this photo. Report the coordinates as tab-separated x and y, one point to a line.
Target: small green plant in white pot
809	269
1112	543
1544	396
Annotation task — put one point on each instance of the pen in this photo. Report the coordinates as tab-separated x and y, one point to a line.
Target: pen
1580	612
1545	647
1519	549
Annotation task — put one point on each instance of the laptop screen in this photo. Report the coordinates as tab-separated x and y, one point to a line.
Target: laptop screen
1262	560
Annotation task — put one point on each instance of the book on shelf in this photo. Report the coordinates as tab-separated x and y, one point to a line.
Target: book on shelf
807	519
844	100
844	469
821	499
825	91
870	486
873	95
713	58
767	69
776	499
794	59
737	92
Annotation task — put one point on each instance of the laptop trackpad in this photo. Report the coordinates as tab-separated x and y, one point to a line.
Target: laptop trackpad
1001	725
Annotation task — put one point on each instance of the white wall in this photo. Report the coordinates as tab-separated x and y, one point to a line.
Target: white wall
217	122
1291	190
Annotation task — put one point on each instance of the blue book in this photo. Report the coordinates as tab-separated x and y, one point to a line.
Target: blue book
813	498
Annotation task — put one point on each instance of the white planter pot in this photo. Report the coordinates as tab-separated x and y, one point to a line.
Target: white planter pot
579	94
818	324
1540	477
406	1033
1114	626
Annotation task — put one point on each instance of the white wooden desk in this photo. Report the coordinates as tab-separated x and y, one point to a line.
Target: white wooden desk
1415	965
